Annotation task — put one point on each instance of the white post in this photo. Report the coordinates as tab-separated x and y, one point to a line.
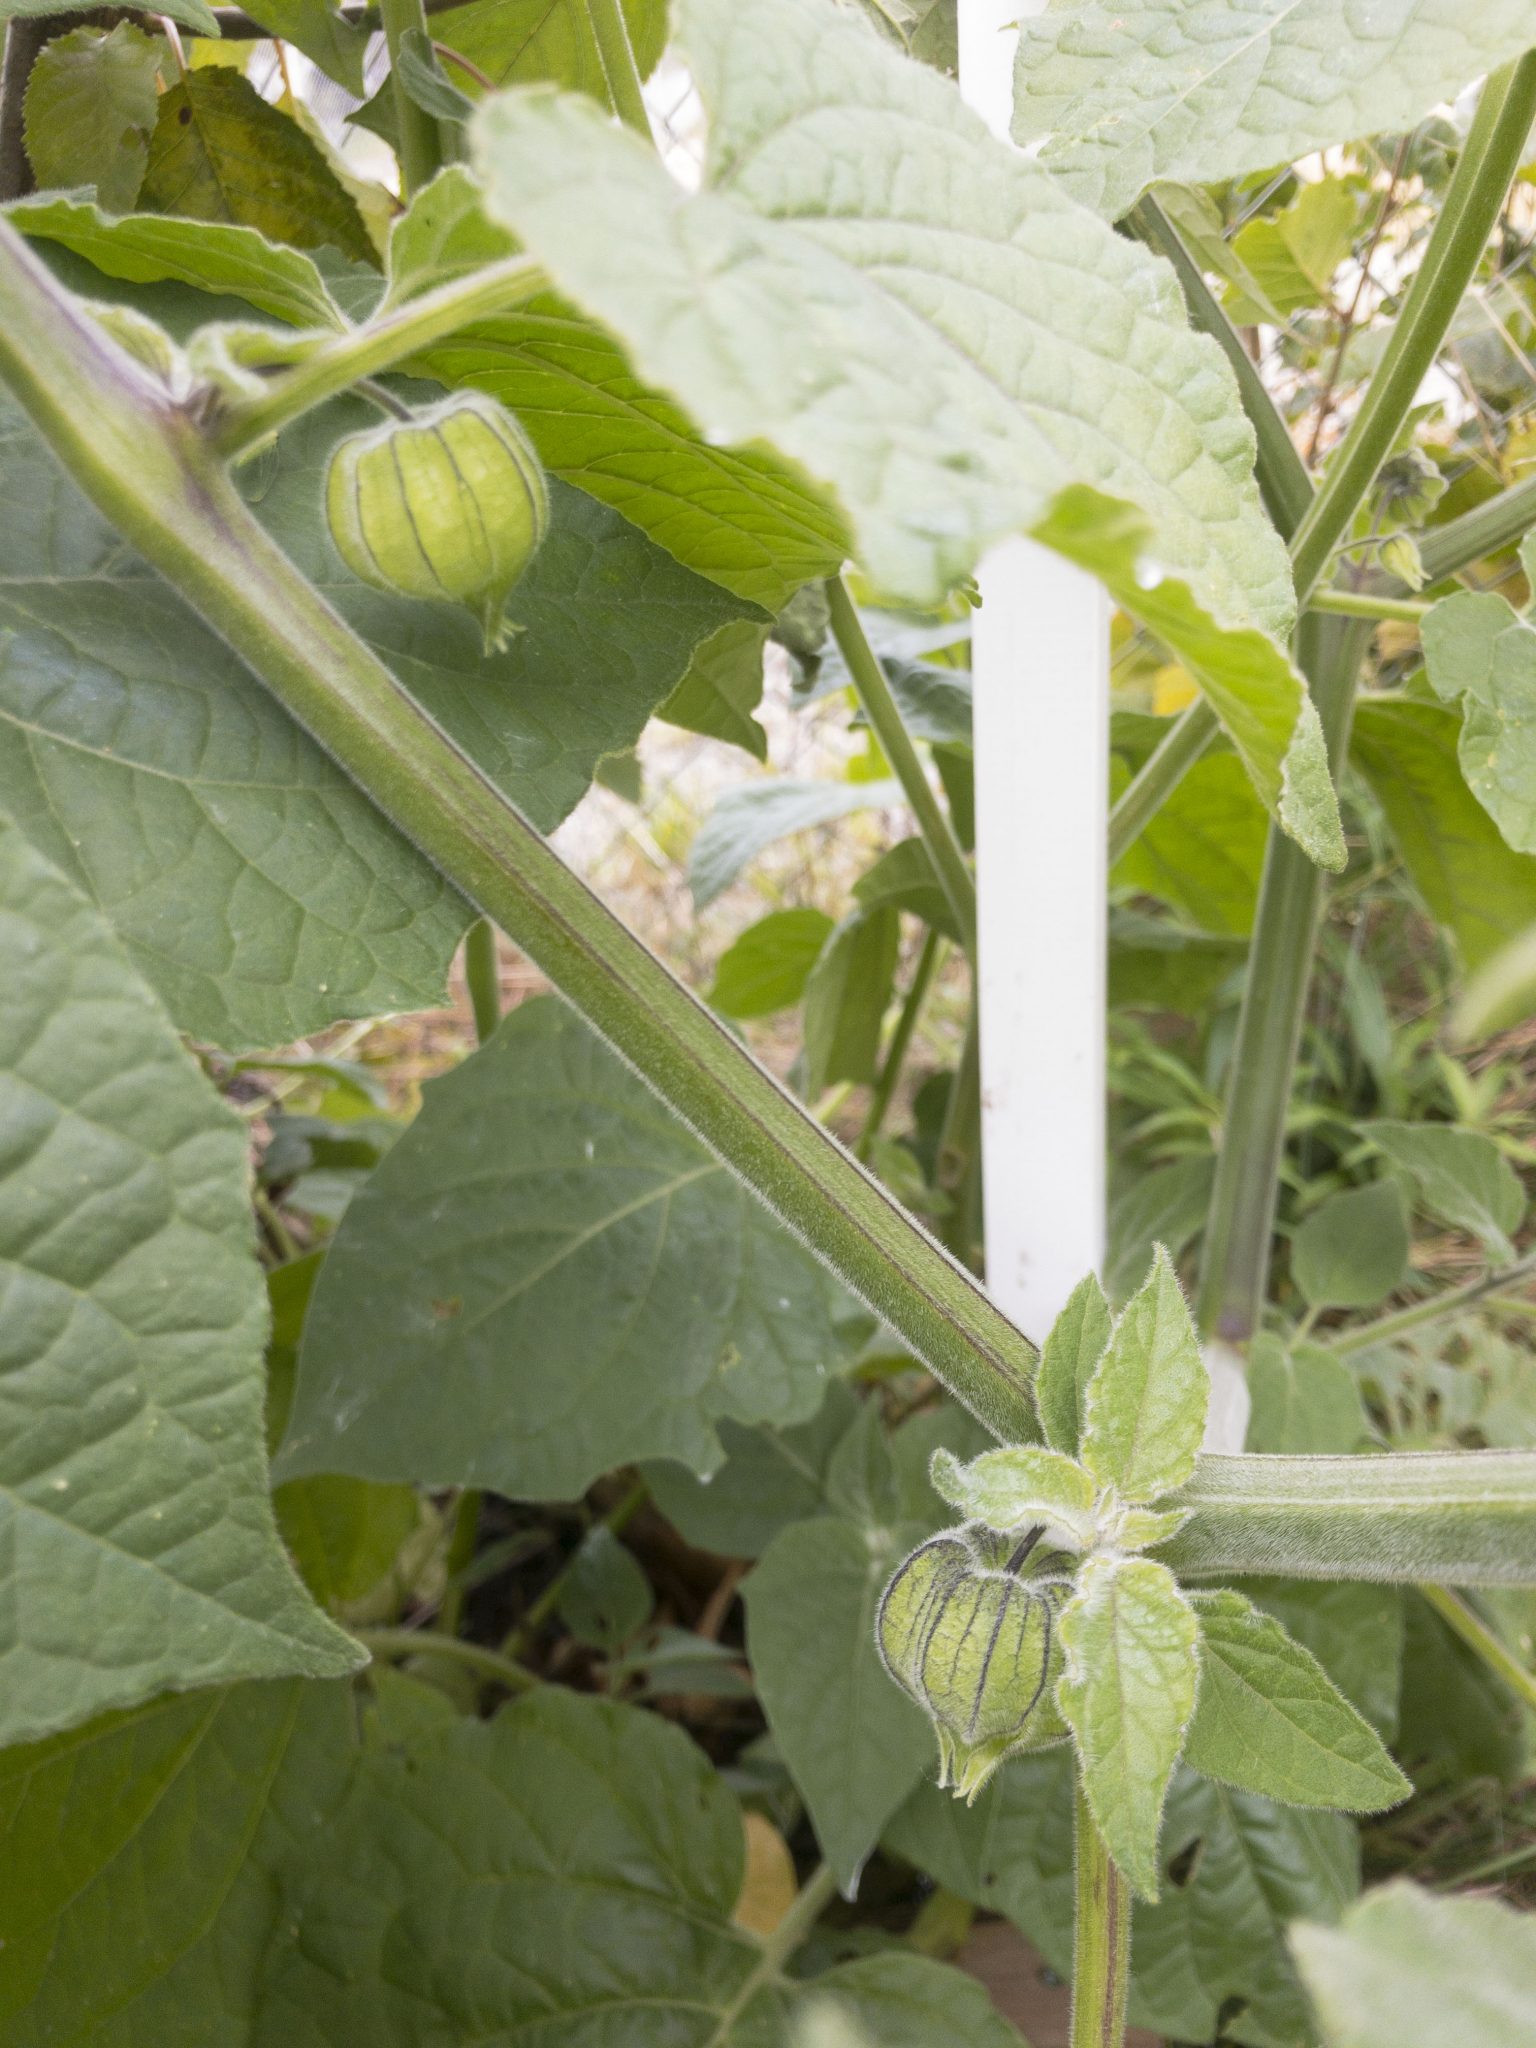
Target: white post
1040	653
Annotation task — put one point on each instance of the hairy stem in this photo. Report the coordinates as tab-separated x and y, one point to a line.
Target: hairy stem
336	364
1477	191
482	975
1452	1518
891	1066
1421	1315
1101	1940
1460	1615
884	715
420	148
142	462
616	53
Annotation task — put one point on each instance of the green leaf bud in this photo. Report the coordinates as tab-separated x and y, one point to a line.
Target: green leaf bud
450	505
967	1628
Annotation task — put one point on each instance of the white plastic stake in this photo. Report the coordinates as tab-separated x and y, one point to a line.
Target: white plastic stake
1040	654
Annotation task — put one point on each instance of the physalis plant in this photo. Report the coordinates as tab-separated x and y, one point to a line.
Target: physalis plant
1040	1619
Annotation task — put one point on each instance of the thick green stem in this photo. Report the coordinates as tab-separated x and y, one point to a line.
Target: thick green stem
884	715
1160	775
482	976
901	1040
1461	1616
1421	1315
419	147
1234	1269
337	364
1101	1943
1364	604
1477	191
616	53
413	1642
1452	1518
142	462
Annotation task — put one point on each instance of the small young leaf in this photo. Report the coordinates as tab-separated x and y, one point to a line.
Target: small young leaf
607	1596
90	111
1067	1359
1144	1409
1270	1720
1406	1967
1009	1490
1128	1692
1461	1176
1353	1249
766	968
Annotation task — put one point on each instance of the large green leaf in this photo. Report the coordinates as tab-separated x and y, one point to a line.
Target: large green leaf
1207	89
1269	1719
549	1276
1482	891
1237	1870
1128	1692
139	1542
216	256
440	1907
259	892
723	688
90	111
144	1886
1204	850
1404	1966
1352	1251
516	42
1305	1400
855	1745
942	425
221	152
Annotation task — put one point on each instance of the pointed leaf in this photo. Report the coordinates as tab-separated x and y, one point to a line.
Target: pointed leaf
215	256
221	152
723	687
1144	1409
549	1276
846	996
904	878
796	260
1405	1966
1269	1719
1067	1358
523	41
1129	1691
141	1550
1013	1488
747	820
1209	89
